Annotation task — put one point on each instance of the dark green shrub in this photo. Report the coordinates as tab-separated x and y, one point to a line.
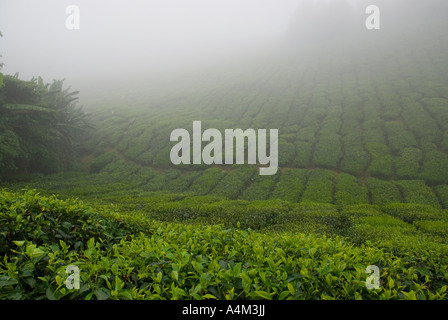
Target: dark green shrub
416	191
206	181
381	161
234	182
348	190
413	212
434	167
407	165
382	191
442	193
290	186
328	151
319	187
304	149
103	160
436	227
355	159
260	187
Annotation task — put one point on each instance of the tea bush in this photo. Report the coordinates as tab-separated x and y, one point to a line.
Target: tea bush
355	159
398	136
260	187
319	187
304	150
416	191
327	152
382	191
407	165
182	183
232	184
206	181
348	191
128	256
381	163
413	212
438	107
290	186
100	162
434	167
442	192
436	227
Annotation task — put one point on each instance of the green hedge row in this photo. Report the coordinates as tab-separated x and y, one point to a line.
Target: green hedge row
235	181
290	185
319	187
382	191
349	191
207	181
416	191
260	187
442	193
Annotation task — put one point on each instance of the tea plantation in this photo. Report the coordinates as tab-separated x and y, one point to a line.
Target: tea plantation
362	180
129	255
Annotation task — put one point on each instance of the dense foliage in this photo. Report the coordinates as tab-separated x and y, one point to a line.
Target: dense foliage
40	126
128	256
362	180
382	119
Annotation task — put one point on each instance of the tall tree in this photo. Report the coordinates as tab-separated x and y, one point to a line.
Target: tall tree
39	126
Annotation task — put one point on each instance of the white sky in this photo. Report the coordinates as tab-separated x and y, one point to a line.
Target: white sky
130	34
126	37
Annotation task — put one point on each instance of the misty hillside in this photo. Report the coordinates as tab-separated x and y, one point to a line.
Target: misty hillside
362	179
356	109
374	111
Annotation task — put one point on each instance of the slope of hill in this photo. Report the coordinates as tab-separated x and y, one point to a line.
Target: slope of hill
123	256
362	180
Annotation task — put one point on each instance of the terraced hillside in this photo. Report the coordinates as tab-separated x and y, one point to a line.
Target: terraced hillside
362	180
352	129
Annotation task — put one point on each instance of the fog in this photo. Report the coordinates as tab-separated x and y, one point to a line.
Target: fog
119	42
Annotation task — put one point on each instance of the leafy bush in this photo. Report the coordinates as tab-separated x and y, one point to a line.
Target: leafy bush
444	143
181	183
46	220
304	149
319	187
159	181
398	136
127	256
416	191
260	187
355	159
382	192
420	122
438	107
407	165
442	192
103	160
233	183
327	152
436	227
434	167
348	190
413	212
206	181
381	164
286	153
290	186
244	214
